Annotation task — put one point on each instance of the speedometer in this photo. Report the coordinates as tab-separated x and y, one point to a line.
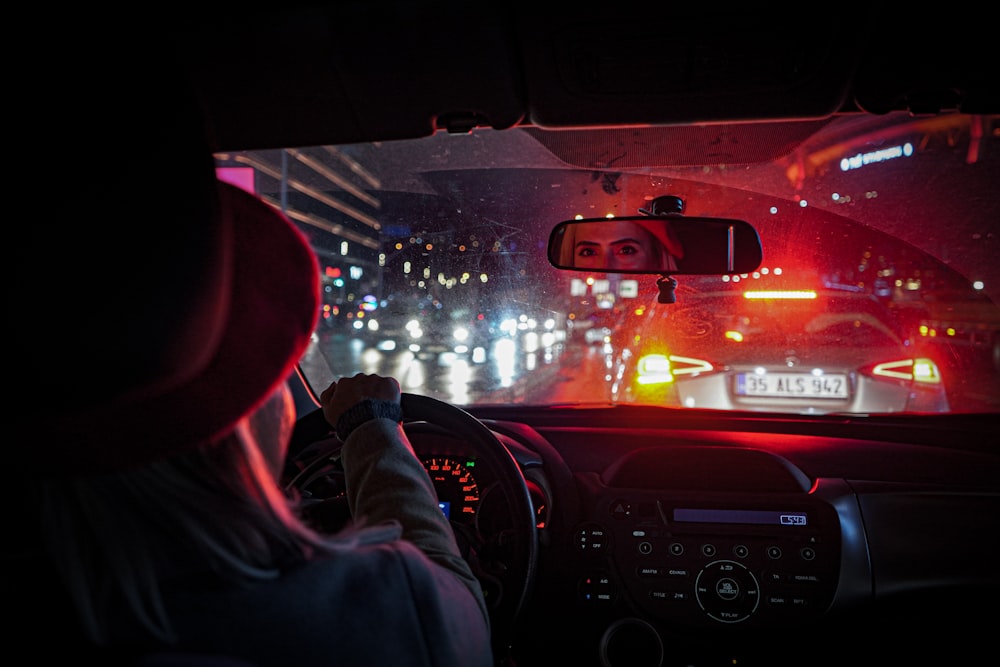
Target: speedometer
458	493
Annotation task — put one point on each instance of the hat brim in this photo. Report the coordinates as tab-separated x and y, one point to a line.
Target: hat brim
273	304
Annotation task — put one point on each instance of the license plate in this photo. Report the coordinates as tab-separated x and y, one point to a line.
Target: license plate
792	385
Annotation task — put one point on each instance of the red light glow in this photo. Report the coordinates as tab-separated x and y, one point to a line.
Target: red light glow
780	294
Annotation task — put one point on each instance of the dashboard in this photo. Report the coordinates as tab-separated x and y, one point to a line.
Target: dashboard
746	539
757	544
726	537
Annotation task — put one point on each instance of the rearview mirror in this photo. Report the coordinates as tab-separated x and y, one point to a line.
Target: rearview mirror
656	244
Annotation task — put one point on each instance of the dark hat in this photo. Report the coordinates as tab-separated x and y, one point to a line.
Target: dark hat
154	369
154	305
658	230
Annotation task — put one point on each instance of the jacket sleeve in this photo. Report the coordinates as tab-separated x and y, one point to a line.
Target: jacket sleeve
387	482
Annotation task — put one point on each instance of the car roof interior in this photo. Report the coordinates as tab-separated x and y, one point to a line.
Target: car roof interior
456	66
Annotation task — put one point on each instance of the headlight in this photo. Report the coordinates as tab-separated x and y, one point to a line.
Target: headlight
413	328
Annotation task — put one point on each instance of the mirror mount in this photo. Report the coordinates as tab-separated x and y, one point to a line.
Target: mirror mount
665	205
667	285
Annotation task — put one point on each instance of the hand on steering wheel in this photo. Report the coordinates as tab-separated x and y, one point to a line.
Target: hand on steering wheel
420	414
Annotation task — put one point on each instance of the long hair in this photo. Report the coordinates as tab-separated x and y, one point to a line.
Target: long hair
115	538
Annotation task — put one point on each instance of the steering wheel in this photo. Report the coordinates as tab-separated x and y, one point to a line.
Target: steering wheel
506	590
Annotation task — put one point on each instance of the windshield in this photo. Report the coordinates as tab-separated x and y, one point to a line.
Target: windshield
876	294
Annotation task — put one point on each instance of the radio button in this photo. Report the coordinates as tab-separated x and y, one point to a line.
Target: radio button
596	588
727	591
668	596
592	537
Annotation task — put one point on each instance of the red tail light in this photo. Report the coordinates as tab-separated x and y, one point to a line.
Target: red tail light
919	371
662	368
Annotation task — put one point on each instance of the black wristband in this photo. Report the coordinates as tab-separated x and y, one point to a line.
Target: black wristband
365	411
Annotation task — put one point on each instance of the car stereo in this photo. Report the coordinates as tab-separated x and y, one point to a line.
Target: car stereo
750	560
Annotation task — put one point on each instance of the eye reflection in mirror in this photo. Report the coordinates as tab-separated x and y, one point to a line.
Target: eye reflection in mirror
656	244
623	245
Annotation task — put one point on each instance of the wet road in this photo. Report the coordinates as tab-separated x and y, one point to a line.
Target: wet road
528	368
536	368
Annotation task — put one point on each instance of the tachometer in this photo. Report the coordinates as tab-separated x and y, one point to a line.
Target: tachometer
456	486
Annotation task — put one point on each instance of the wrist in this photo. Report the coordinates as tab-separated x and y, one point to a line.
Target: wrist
365	411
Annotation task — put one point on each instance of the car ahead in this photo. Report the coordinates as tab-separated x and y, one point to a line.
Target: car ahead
597	327
430	150
777	350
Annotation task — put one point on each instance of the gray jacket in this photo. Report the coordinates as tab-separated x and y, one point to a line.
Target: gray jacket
404	596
